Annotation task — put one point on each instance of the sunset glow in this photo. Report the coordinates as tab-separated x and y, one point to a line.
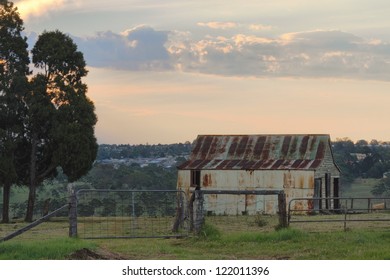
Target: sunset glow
28	8
166	71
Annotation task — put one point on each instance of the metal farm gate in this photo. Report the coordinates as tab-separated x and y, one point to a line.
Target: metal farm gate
351	212
130	214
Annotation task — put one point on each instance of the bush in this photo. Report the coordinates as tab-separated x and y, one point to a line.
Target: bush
260	220
209	232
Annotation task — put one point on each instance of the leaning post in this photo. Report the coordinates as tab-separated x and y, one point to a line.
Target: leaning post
72	211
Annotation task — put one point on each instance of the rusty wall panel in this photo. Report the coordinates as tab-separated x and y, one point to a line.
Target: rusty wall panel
250	200
300	193
183	179
270	206
288	180
206	180
295	183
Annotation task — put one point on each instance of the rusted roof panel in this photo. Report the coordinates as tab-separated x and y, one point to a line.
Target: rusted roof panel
250	164
257	152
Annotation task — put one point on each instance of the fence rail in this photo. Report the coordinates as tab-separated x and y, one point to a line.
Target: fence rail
351	209
35	223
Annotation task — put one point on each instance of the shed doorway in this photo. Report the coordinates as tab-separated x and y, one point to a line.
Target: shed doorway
317	194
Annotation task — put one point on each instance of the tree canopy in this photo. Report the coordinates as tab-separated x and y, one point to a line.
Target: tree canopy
14	69
47	120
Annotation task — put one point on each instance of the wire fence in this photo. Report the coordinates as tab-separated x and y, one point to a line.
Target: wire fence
17	211
131	214
45	225
171	213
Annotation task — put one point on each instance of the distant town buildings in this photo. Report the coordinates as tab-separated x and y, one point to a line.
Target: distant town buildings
166	162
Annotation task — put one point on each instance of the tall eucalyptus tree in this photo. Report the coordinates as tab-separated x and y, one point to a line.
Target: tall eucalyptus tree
14	61
60	127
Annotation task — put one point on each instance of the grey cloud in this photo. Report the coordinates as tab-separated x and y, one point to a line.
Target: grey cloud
329	40
319	53
304	54
140	48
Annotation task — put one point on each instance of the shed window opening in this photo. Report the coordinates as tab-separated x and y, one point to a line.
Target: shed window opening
195	178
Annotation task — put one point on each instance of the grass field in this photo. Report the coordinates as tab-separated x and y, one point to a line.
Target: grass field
360	188
222	238
50	241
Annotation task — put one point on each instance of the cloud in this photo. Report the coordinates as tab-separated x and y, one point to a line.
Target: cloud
260	27
28	8
139	48
224	25
218	25
317	53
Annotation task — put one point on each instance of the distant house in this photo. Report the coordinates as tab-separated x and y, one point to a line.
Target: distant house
301	165
359	156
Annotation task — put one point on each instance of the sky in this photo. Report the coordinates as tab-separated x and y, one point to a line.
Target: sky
164	71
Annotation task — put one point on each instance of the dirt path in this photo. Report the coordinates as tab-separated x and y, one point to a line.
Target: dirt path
100	254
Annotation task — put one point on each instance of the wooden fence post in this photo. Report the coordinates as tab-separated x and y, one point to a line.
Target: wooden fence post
179	218
198	211
72	211
191	211
282	210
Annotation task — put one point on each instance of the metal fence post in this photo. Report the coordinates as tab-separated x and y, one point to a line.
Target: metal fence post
369	206
345	218
72	211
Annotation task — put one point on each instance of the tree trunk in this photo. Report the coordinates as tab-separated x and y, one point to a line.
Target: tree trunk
6	198
33	179
30	203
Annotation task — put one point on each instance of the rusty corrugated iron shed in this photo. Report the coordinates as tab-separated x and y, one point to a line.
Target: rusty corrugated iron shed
256	152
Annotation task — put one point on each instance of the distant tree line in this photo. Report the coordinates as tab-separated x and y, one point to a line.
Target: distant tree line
361	159
130	177
142	151
364	160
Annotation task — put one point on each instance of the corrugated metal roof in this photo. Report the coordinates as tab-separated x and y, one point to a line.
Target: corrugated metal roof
251	152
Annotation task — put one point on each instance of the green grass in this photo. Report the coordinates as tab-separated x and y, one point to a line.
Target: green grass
360	188
283	244
212	243
51	249
219	240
